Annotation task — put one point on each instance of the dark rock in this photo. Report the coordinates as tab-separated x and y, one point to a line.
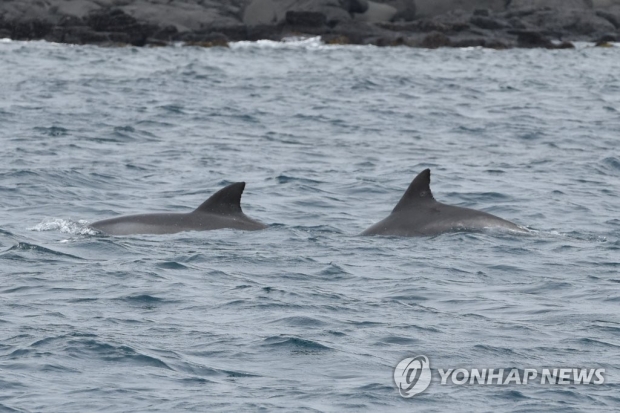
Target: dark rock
516	23
56	35
472	42
359	33
156	43
551	4
432	8
610	17
608	38
125	39
354	6
109	20
30	29
83	35
167	33
335	39
435	40
520	13
497	45
488	23
306	18
580	24
264	32
235	33
273	12
426	23
123	27
603	44
426	26
587	23
385	41
68	21
211	40
531	39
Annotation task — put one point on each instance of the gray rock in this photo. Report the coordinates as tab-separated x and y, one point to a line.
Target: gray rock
431	8
568	21
185	15
435	40
430	23
531	39
605	4
613	18
274	11
488	23
305	18
263	12
355	6
554	4
405	9
377	12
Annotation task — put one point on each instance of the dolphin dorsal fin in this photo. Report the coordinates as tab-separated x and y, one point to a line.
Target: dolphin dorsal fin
225	201
419	191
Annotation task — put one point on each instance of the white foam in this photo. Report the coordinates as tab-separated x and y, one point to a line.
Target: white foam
65	226
286	43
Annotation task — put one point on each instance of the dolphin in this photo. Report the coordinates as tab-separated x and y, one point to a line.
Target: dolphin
418	214
222	210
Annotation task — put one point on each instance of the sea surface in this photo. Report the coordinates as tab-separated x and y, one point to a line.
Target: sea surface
306	315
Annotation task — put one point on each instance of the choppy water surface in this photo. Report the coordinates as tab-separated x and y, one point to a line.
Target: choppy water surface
305	315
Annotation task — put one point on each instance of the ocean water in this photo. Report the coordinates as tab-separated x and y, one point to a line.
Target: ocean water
306	315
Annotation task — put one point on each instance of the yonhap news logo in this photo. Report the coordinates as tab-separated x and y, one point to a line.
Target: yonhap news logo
413	375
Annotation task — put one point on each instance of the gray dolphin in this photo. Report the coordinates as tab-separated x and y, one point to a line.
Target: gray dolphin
418	214
222	210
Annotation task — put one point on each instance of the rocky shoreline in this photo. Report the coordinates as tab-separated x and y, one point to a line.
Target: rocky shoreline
498	24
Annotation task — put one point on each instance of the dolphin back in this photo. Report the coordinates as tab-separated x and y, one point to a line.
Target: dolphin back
419	214
221	210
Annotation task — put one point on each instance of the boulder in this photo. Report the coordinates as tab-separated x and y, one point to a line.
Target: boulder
405	9
432	8
273	12
567	22
30	29
185	15
553	4
73	8
377	12
305	18
605	4
357	32
262	12
533	39
435	40
488	23
209	40
613	17
530	39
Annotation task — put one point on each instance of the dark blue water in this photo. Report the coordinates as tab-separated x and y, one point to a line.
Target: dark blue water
305	315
